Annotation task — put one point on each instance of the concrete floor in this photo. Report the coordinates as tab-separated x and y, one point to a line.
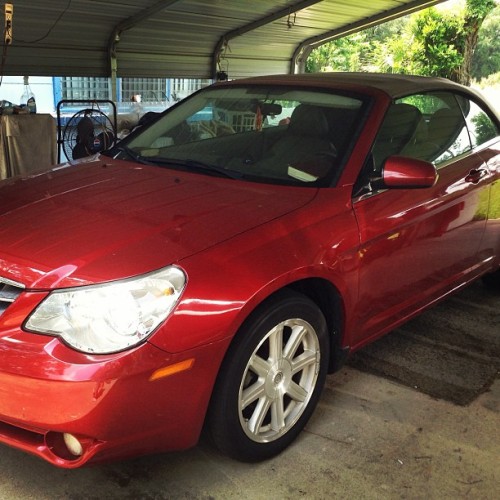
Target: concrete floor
369	438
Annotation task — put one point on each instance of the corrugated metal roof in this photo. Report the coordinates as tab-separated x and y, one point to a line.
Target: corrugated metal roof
181	38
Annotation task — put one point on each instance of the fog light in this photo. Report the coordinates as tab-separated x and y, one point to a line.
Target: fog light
74	446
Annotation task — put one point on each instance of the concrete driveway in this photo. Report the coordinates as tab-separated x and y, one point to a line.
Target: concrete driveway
370	437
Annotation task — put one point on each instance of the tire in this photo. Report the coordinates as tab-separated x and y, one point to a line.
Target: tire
271	379
492	280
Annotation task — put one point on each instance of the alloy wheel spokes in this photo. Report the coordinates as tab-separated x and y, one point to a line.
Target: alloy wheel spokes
279	380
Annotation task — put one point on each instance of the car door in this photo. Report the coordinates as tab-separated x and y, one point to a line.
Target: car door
415	245
484	133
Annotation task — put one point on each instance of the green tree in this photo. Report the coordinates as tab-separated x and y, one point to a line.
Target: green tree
486	60
430	45
354	52
475	14
432	42
341	55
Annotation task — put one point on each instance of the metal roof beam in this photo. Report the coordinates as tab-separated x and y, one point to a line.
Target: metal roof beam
124	25
302	52
224	39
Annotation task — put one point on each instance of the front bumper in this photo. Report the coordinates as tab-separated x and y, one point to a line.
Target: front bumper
117	405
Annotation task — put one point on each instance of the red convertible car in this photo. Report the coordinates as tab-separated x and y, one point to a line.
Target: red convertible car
214	266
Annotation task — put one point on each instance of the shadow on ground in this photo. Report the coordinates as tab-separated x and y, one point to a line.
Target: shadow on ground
446	352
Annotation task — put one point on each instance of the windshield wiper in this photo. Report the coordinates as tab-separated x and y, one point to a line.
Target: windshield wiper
190	164
198	165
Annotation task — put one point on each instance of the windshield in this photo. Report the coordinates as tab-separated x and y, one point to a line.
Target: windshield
277	134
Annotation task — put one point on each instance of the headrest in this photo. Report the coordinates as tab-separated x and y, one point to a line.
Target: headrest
401	121
308	120
445	122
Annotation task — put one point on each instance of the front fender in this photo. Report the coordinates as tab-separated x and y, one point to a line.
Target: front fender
227	282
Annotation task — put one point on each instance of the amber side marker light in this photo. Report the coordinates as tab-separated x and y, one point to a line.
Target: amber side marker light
172	369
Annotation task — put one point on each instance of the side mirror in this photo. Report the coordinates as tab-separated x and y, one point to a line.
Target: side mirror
400	172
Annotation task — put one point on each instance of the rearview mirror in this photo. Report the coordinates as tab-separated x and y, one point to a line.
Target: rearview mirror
400	172
270	108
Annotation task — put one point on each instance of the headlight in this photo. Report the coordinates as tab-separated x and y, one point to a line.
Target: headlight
111	317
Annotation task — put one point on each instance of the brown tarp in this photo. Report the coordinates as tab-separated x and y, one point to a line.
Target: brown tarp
28	143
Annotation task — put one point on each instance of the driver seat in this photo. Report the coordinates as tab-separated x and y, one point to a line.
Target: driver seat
306	139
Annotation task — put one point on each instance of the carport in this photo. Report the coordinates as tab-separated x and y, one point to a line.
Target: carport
370	438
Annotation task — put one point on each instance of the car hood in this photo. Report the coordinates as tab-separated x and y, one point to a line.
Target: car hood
110	219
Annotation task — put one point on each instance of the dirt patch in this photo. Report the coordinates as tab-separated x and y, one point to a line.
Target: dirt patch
450	352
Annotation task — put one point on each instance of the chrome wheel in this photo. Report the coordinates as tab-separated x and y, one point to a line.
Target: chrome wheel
279	380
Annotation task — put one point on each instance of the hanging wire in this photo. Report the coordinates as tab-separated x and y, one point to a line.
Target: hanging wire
8	32
50	29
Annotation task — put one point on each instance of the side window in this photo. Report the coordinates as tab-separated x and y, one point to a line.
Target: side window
480	125
441	133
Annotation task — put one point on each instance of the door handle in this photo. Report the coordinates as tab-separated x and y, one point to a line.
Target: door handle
475	175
